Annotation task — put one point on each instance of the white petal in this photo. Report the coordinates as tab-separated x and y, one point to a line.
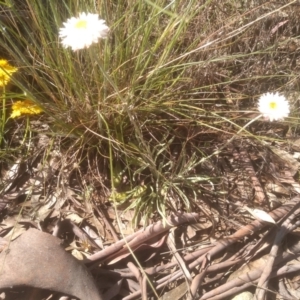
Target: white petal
273	106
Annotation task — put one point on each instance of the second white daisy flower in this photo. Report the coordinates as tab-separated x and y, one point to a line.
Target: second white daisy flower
82	32
273	106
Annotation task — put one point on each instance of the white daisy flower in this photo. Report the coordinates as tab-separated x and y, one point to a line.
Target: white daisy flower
81	32
273	106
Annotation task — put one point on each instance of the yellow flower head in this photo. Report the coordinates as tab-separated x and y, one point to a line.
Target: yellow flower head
26	107
6	70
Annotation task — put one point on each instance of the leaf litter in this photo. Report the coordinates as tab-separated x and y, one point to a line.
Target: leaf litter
176	254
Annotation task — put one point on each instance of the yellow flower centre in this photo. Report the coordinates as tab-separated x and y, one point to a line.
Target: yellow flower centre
81	24
273	105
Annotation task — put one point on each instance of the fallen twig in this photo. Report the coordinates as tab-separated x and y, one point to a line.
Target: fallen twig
246	280
256	225
264	279
141	236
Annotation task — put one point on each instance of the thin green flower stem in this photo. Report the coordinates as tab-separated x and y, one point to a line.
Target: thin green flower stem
115	202
3	118
27	130
230	140
95	57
